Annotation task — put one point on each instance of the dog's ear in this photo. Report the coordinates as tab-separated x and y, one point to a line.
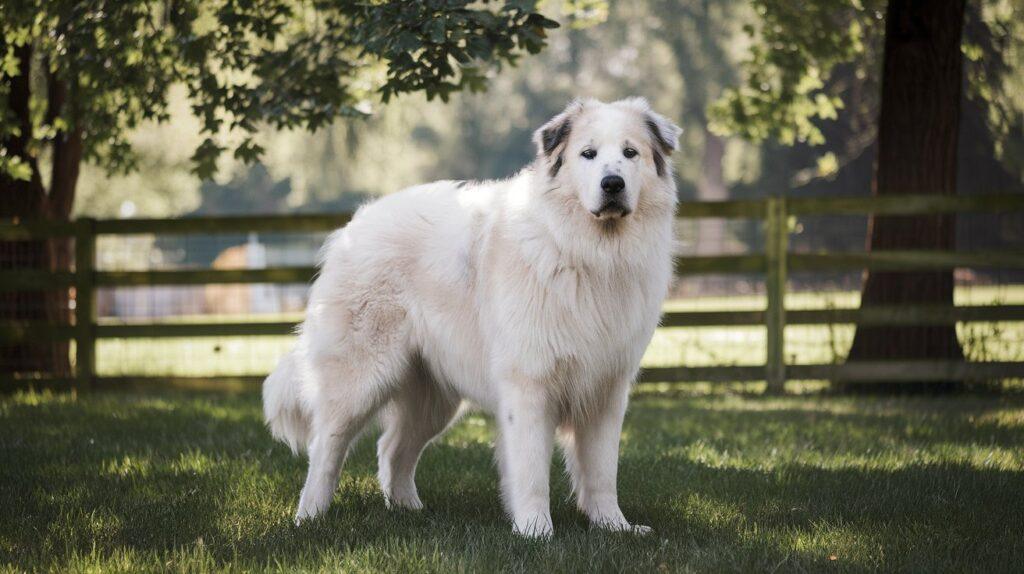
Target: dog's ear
664	139
552	134
551	137
664	133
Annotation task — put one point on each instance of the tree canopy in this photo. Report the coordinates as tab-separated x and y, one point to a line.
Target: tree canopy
810	61
98	69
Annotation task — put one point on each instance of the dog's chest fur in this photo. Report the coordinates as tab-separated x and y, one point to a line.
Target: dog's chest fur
573	324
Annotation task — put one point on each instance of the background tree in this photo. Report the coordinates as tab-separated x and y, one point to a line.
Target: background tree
76	77
790	93
918	124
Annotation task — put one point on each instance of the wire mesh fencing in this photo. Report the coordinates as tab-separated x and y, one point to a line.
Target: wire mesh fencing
214	303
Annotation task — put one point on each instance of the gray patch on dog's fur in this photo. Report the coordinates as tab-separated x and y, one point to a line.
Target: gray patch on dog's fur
659	163
552	137
556	166
660	141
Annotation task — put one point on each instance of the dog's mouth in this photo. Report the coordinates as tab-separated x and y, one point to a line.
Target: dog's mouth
611	210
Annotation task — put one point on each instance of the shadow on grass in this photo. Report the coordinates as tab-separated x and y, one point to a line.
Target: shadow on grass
847	426
751	485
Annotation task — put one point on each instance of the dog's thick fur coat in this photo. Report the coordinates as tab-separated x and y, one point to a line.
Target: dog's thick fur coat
532	298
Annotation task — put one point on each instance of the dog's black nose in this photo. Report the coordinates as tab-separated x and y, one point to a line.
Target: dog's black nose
612	184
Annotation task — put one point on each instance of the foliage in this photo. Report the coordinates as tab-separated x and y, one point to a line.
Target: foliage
994	51
679	54
676	53
245	63
163	182
193	482
794	50
808	60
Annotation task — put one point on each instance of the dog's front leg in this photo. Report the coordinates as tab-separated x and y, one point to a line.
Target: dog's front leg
526	433
592	456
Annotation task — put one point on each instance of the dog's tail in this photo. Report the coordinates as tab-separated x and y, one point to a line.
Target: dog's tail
283	407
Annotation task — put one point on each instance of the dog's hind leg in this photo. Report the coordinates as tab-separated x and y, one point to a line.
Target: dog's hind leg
334	433
354	377
417	412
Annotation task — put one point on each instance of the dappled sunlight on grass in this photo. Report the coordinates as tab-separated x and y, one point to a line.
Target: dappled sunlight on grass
192	463
35	398
729	482
836	432
128	467
1007	418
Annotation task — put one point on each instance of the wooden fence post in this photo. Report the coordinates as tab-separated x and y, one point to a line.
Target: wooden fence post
776	246
85	303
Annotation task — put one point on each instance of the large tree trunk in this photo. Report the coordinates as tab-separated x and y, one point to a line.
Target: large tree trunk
917	143
23	199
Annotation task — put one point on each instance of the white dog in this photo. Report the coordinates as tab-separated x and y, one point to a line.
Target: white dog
532	298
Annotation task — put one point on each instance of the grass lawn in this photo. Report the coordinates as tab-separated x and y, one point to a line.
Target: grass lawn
192	482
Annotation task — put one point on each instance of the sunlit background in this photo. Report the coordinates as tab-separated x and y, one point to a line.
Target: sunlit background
679	55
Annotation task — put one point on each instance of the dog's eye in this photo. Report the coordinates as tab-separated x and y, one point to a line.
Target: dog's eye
629	152
589	153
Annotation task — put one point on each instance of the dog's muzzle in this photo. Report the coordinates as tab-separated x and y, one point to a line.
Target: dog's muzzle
612	187
612	209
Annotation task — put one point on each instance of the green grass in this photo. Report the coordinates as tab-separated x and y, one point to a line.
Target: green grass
698	346
192	482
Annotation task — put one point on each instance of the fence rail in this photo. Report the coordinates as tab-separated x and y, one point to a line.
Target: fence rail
775	263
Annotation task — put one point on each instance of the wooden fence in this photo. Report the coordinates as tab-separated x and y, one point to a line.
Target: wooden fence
774	263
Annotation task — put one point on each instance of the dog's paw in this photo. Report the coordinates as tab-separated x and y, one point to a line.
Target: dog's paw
640	529
302	517
536	526
395	502
626	527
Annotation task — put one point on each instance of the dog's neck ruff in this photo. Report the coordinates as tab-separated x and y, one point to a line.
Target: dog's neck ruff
576	238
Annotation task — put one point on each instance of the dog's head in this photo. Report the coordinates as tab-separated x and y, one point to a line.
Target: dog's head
610	156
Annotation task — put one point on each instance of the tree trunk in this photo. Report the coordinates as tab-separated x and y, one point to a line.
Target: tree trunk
23	199
917	142
68	149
